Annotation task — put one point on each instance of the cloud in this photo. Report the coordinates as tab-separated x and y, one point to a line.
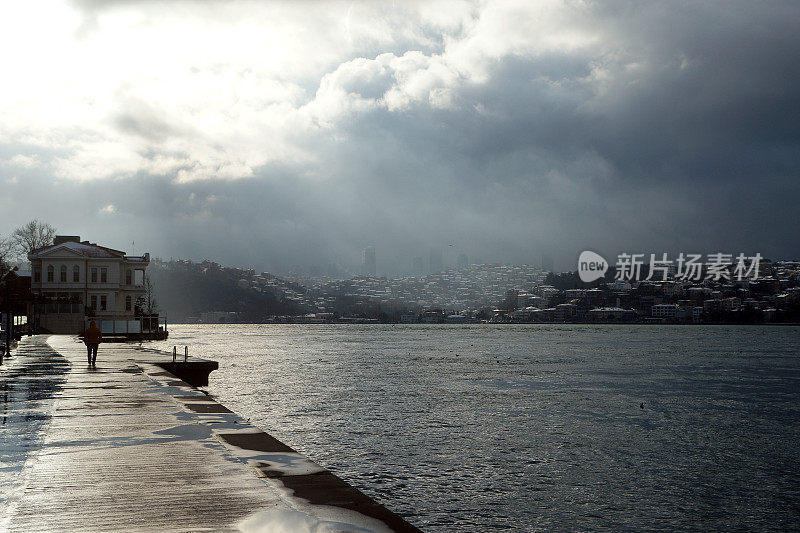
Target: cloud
110	209
201	91
277	134
24	161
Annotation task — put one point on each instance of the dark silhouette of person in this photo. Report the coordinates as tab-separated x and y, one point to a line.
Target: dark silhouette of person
91	338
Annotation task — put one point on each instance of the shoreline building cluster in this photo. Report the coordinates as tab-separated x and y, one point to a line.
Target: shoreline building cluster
774	297
503	293
493	293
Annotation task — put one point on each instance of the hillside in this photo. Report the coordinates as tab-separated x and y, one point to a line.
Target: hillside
186	289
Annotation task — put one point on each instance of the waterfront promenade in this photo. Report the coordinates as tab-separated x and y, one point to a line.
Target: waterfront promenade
127	446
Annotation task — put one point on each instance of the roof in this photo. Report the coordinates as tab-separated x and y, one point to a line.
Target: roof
18	273
92	250
85	249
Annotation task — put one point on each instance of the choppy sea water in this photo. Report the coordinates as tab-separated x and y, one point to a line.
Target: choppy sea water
527	427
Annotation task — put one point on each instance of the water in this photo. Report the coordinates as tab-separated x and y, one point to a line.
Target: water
526	427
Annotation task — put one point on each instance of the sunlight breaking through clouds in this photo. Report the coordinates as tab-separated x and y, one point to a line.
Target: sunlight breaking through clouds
513	128
216	90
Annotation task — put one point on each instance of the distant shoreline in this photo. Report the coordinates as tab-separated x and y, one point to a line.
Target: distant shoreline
794	324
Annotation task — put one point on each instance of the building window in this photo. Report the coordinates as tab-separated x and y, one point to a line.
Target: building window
103	302
63	273
103	275
94	301
128	301
37	276
51	272
128	277
94	274
76	274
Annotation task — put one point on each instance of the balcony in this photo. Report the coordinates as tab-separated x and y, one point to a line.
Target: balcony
52	308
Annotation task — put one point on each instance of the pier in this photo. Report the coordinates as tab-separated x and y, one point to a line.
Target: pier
130	446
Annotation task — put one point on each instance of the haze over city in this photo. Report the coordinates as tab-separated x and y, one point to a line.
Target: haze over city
281	135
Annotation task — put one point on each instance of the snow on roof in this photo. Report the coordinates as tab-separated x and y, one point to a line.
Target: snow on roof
91	250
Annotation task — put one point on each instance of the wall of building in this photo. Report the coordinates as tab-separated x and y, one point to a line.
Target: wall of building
63	324
115	288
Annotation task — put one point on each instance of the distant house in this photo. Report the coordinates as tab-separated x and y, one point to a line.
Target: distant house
15	299
664	310
408	318
610	314
15	292
565	312
73	279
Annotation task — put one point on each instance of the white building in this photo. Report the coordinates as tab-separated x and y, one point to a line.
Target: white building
665	310
72	279
607	314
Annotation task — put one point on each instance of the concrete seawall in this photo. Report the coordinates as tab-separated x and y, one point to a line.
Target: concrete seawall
130	446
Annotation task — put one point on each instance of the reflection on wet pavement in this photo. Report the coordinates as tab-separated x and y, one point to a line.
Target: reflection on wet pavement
28	383
110	449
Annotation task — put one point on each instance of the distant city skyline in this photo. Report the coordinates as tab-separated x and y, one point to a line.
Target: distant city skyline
283	135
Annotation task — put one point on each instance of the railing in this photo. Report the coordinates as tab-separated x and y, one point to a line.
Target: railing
185	354
136	325
51	308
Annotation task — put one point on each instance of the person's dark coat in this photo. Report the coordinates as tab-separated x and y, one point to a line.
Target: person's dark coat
92	335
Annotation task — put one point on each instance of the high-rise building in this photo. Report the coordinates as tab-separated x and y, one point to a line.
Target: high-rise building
462	261
435	261
416	268
547	263
368	263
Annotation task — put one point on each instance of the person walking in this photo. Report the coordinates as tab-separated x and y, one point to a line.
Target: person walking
91	338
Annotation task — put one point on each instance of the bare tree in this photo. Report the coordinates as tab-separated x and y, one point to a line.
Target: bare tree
31	236
147	303
7	254
150	302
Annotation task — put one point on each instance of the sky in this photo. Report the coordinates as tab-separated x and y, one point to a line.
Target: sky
291	135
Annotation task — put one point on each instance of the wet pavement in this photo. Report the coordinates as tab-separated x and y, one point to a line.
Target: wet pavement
126	446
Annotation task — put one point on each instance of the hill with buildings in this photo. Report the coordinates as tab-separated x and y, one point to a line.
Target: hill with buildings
192	292
209	293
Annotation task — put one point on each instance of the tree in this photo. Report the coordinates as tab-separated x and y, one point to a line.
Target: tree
6	255
147	303
31	236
